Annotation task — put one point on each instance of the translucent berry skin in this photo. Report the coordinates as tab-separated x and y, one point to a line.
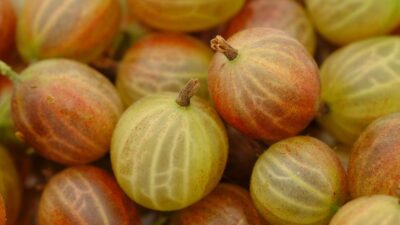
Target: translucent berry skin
183	15
10	188
374	209
374	166
65	110
285	15
344	22
297	181
270	91
7	26
74	29
166	156
85	195
162	62
359	84
227	204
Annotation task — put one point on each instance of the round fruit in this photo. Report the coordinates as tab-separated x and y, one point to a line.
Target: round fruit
264	83
85	195
10	189
375	209
162	62
285	15
75	29
360	83
167	153
65	110
183	15
343	22
374	166
7	24
298	180
227	204
243	154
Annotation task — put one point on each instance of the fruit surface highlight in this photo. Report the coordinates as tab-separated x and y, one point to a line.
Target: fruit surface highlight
285	15
343	22
359	84
298	180
183	15
65	110
75	29
169	152
374	166
85	195
162	62
264	83
375	209
227	204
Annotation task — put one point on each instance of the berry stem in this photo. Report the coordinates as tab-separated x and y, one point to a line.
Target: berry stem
219	44
8	72
187	92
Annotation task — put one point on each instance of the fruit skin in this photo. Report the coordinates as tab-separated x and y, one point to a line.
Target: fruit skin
375	209
243	154
162	62
183	15
166	156
75	29
3	218
10	187
7	131
374	166
7	24
298	180
227	204
85	195
271	90
285	15
360	84
65	110
343	22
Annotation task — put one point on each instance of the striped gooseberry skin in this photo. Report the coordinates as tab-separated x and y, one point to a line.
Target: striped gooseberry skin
270	91
359	84
75	29
343	22
85	195
375	209
285	15
166	156
374	166
227	204
298	180
65	110
10	188
7	24
162	62
183	15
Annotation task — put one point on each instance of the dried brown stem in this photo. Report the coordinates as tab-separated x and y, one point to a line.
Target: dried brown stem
187	92
219	44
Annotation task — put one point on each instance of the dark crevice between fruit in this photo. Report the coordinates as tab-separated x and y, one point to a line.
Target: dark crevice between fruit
8	72
323	109
187	92
219	44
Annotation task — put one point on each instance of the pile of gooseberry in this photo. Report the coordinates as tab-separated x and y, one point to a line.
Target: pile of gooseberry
199	112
